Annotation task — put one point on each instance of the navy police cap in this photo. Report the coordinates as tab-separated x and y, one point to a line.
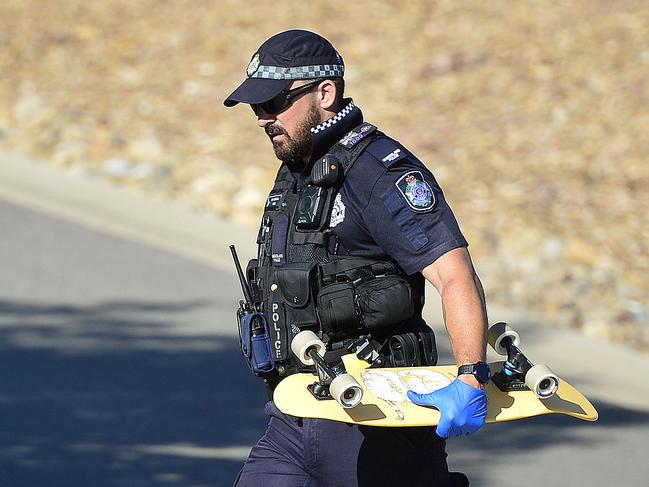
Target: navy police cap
282	59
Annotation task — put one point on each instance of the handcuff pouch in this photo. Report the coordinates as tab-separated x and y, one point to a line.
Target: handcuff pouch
413	349
291	304
295	282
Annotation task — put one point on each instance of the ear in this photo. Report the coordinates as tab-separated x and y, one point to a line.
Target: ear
327	95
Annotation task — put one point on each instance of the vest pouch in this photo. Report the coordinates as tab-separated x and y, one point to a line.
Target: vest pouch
337	310
295	282
385	301
414	349
428	346
404	350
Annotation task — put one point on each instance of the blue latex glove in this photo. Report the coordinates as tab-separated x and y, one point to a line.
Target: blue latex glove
463	408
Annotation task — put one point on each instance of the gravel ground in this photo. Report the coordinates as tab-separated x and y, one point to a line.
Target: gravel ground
532	115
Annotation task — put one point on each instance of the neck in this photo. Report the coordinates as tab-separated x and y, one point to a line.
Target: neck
331	130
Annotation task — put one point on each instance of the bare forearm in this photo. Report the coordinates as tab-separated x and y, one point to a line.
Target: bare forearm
465	318
463	303
466	322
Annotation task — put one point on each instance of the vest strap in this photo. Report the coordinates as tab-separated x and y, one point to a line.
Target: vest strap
317	238
350	263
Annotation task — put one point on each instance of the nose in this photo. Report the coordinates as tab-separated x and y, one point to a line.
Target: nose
264	119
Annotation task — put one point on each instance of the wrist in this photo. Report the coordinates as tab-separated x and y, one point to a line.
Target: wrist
479	371
471	380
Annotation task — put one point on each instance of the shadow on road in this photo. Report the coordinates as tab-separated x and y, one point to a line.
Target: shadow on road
512	445
114	394
108	395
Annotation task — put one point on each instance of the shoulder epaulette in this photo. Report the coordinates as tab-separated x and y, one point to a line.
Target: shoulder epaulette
387	151
357	134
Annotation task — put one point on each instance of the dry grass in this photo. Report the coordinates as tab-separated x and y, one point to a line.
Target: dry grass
532	115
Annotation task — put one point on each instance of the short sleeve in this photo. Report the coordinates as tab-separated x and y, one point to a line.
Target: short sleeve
409	218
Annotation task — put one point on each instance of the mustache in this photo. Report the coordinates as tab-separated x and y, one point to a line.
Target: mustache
273	130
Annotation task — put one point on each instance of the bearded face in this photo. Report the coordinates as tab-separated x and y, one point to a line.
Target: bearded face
293	147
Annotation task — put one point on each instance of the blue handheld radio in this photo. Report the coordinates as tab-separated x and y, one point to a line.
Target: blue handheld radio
253	328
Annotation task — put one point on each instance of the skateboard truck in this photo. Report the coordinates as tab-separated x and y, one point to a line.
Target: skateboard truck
512	376
333	381
518	373
326	374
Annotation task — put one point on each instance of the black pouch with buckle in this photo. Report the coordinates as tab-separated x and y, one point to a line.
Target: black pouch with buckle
337	310
385	301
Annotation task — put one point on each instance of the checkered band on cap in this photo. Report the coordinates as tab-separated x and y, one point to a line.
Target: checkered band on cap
299	72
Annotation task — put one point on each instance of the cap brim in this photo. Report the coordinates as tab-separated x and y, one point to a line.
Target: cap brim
256	90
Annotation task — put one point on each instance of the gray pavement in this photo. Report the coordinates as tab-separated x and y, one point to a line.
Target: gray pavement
119	362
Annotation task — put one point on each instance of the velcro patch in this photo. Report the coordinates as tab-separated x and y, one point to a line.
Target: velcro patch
274	200
416	191
356	135
404	219
387	151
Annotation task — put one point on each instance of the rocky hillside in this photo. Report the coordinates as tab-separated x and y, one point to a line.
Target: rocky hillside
532	115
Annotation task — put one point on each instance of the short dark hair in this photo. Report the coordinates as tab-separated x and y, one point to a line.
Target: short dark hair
340	91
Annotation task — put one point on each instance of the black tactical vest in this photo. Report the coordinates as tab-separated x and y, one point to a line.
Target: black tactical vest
300	283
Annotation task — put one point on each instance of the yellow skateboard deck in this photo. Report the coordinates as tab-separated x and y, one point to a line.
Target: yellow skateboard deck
384	401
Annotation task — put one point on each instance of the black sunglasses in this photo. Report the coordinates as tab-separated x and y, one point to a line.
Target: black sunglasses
283	100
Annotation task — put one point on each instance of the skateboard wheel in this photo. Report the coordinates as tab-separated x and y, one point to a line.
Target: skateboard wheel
542	381
301	344
497	332
346	391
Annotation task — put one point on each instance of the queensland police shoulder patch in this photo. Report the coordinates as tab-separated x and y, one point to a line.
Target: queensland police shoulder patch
418	194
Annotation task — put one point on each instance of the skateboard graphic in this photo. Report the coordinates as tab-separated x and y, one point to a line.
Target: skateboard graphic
352	391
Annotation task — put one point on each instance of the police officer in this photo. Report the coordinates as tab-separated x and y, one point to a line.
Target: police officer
352	227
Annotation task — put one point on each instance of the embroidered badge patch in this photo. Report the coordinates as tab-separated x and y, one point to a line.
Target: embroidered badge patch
392	156
253	66
416	191
337	212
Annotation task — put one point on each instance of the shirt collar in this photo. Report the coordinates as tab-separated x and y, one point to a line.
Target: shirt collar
326	134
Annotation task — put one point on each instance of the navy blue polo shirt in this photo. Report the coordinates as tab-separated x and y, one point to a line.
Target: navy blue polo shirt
389	204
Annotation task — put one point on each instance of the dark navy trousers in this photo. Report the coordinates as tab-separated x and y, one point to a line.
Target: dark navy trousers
315	452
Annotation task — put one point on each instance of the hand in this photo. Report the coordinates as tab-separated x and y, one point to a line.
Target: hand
463	408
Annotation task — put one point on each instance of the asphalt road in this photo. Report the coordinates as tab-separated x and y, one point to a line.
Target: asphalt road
119	362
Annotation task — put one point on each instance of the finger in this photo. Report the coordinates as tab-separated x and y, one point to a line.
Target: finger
443	428
423	399
414	397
